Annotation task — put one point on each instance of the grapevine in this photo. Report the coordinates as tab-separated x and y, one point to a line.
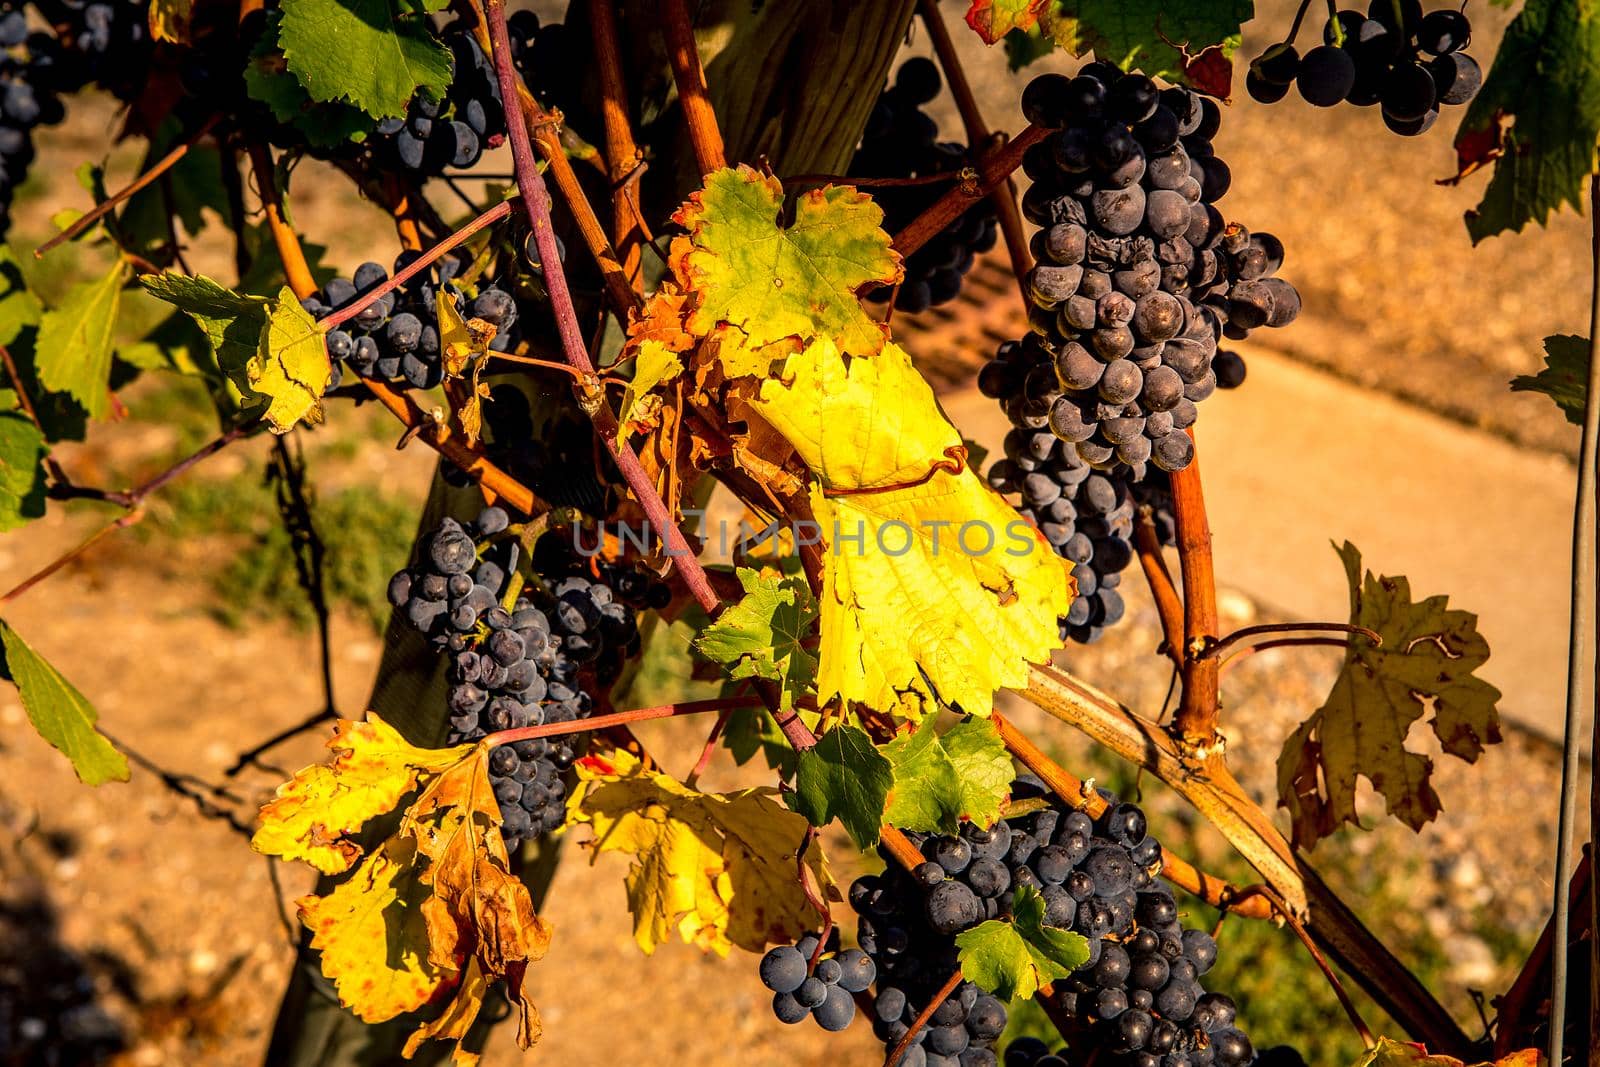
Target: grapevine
679	305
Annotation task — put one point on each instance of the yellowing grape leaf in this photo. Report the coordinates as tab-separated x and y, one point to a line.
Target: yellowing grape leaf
1391	1053
291	368
654	363
372	769
993	19
1426	664
775	281
372	918
169	20
719	868
435	911
931	578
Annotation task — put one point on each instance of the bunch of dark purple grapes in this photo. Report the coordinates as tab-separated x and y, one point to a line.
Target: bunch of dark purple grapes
1137	1002
1410	63
435	135
525	663
1032	1052
395	338
902	141
824	991
1139	276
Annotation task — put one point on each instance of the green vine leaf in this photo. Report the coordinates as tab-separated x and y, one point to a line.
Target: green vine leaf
1427	663
363	51
75	341
762	635
1536	118
1565	377
60	713
941	780
1013	959
844	777
271	350
1180	40
22	452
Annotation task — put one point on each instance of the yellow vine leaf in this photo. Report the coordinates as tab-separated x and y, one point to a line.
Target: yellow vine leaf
930	578
434	915
372	918
291	367
717	867
654	364
775	281
373	767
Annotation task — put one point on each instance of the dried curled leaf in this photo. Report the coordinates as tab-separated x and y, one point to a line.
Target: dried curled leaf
372	769
931	578
718	867
1391	1053
1425	664
435	911
773	281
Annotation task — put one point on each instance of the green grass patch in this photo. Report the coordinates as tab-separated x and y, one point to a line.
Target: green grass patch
367	535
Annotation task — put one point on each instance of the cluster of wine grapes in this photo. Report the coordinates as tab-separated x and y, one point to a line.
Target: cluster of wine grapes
1032	1052
395	339
454	131
1086	515
1139	276
901	140
1395	56
1137	1002
519	665
824	992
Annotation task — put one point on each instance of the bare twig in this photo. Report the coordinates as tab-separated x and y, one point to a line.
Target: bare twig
1196	720
623	158
899	1050
57	475
288	475
100	210
710	748
690	78
1177	870
1003	195
132	500
254	753
1581	662
1154	565
1246	634
1289	917
994	166
1230	662
295	268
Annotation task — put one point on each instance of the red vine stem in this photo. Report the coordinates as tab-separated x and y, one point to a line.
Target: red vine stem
1003	195
619	718
704	134
900	1047
709	749
414	268
1154	565
994	167
102	209
133	500
1196	720
536	200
